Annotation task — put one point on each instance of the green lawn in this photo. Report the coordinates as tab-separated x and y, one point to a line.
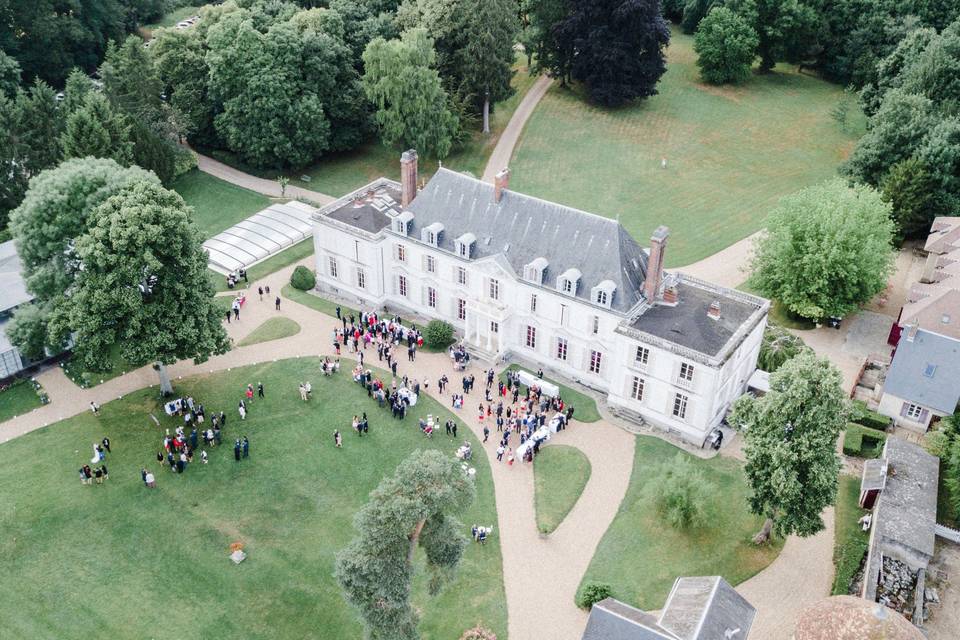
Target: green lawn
274	263
17	399
272	329
850	541
584	407
119	558
341	173
315	302
217	204
731	153
640	556
175	16
560	473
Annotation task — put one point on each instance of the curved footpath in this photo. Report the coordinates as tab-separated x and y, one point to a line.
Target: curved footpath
541	574
269	188
503	152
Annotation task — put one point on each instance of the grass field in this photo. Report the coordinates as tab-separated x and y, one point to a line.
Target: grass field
560	473
274	263
272	329
641	555
850	541
339	174
731	153
123	561
17	399
584	407
173	17
217	204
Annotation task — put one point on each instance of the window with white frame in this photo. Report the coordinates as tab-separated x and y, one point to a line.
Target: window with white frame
494	326
402	285
431	237
912	411
561	348
566	286
636	388
333	267
361	279
461	309
531	337
461	276
533	303
680	406
642	357
595	358
494	289
602	297
431	264
400	252
595	324
685	378
431	297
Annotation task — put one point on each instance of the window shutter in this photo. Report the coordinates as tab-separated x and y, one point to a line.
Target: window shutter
553	347
396	284
904	409
923	415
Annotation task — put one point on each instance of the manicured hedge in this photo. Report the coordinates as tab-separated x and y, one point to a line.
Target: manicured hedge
862	441
303	278
861	415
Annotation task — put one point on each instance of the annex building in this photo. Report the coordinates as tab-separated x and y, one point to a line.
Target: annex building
564	289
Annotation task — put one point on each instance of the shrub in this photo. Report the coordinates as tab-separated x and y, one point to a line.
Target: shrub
863	442
863	416
478	633
778	346
593	592
683	496
303	279
438	334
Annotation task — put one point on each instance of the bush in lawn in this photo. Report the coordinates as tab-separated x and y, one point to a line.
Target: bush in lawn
683	496
478	633
593	592
438	334
303	279
862	442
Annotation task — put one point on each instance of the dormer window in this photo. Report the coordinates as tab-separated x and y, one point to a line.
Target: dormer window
568	282
533	272
464	245
402	223
602	294
431	234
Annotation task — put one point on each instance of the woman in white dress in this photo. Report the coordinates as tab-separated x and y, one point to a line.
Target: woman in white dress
96	454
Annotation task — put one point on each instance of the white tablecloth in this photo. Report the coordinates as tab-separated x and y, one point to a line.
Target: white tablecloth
546	388
410	396
540	435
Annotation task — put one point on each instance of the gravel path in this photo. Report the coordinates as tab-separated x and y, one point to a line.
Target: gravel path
260	185
541	574
503	152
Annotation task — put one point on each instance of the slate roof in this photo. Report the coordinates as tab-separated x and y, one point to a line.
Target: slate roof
706	608
944	234
613	620
369	208
13	289
906	511
907	377
688	325
523	228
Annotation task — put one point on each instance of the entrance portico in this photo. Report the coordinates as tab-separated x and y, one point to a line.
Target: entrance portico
483	326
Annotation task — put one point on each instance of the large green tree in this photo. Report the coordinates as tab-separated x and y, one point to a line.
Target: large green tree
413	508
143	284
56	210
9	75
412	109
778	346
826	250
93	129
914	196
617	46
785	28
726	46
791	445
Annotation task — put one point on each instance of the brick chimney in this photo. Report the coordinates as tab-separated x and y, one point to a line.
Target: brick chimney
500	182
408	177
714	310
658	244
911	330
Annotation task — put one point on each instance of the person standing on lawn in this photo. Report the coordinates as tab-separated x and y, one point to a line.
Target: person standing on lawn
260	390
246	447
236	450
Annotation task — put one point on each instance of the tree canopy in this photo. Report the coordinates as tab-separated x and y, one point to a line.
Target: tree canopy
791	445
412	109
826	249
410	509
143	284
726	46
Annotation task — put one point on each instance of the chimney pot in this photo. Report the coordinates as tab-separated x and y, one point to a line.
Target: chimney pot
671	296
714	310
500	182
658	245
408	177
